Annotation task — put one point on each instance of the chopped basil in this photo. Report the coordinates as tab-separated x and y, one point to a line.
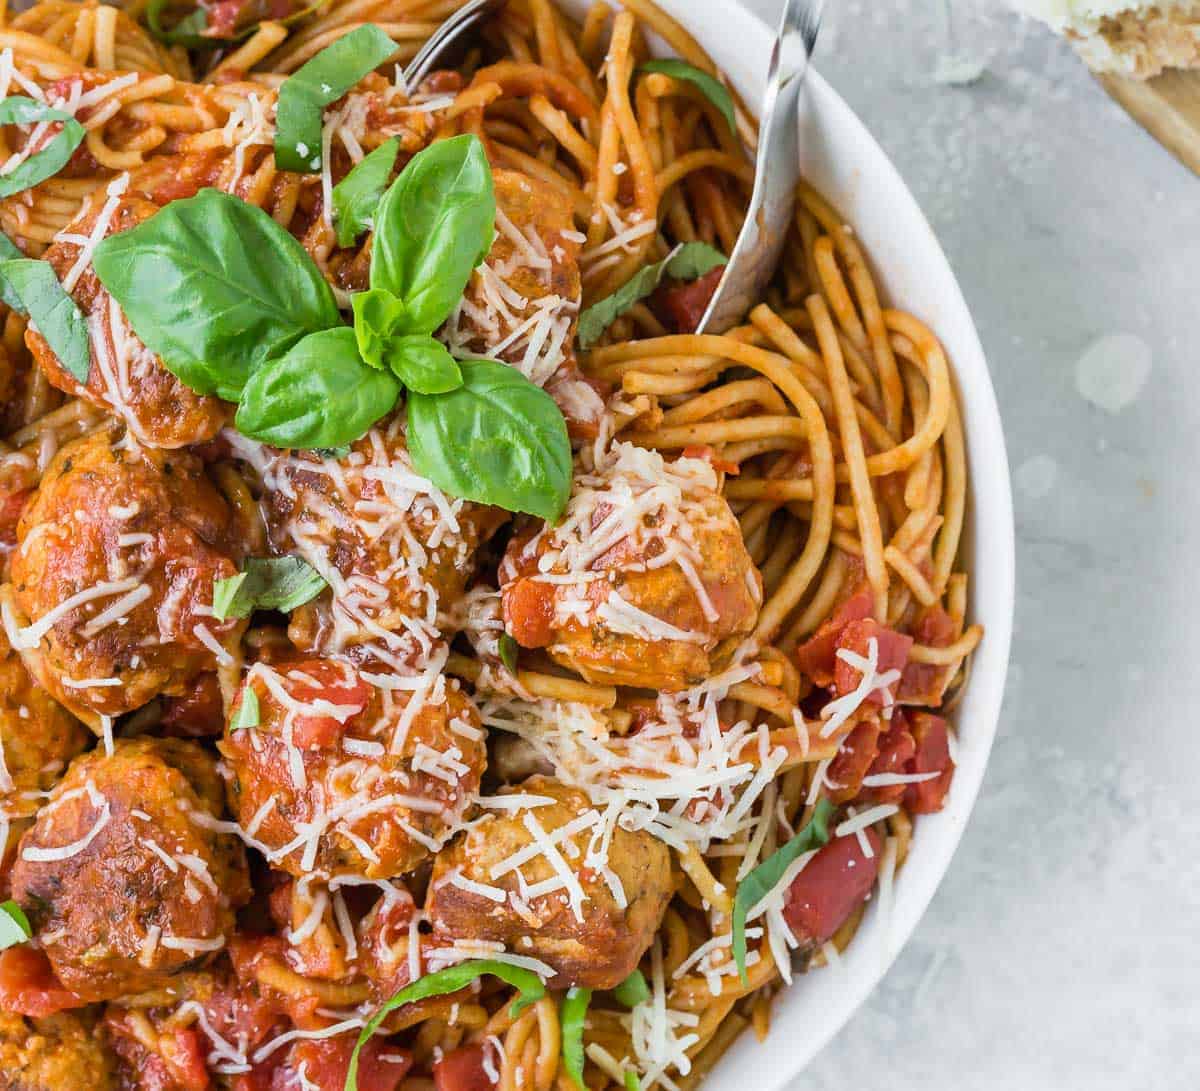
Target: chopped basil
442	983
712	88
633	990
216	288
14	925
632	1083
52	311
357	196
764	878
321	81
47	161
266	583
247	714
508	652
685	262
498	439
188	31
571	1018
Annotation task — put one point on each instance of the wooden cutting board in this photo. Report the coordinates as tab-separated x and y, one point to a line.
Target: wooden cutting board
1167	107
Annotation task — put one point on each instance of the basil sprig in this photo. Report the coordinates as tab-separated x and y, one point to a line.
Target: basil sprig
52	311
356	196
497	439
216	288
711	87
528	985
509	649
323	80
686	262
266	583
764	878
571	1018
14	925
8	294
47	161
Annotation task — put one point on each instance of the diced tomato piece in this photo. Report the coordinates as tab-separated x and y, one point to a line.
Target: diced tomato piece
199	713
817	656
891	648
845	773
381	1066
683	305
833	884
529	612
28	985
896	749
183	1051
11	506
932	740
462	1070
924	683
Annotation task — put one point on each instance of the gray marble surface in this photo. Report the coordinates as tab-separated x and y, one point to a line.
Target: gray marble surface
1061	952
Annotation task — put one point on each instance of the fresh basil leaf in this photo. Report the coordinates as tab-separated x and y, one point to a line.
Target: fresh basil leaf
216	288
188	31
711	87
442	983
632	1083
633	990
321	81
686	262
320	394
247	714
52	311
764	878
14	925
357	196
497	439
508	652
379	317
267	583
571	1018
434	225
47	161
8	295
424	365
333	453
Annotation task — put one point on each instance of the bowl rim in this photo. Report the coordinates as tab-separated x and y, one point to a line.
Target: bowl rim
805	1019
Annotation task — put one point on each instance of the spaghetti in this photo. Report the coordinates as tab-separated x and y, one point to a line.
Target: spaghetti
529	802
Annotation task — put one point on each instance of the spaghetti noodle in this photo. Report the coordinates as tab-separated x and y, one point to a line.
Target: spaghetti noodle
641	757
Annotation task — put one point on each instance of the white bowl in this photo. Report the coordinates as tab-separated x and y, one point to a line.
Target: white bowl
845	163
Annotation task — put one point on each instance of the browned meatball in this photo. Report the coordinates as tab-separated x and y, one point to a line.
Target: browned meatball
58	1053
591	930
341	777
123	874
645	581
521	306
113	574
125	377
38	737
396	551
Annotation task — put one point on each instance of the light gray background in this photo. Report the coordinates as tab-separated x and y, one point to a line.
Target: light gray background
1063	949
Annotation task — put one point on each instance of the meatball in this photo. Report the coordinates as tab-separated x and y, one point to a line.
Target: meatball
114	570
125	377
343	777
58	1053
38	737
521	305
645	581
124	874
592	929
396	551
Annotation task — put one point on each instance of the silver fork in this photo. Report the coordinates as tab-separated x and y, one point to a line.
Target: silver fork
446	35
777	171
